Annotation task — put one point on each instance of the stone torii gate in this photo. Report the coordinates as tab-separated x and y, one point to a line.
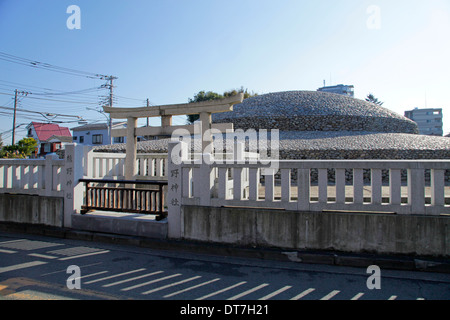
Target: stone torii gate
204	109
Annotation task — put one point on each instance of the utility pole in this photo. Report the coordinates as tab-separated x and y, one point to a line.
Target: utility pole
110	78
16	92
148	105
14	118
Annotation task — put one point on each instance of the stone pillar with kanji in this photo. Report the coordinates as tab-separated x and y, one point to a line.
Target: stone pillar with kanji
73	190
177	154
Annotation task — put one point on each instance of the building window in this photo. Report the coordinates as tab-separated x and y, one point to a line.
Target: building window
81	139
119	139
75	138
47	147
97	139
30	132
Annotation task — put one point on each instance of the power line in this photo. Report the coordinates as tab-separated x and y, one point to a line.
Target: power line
55	100
46	66
43	113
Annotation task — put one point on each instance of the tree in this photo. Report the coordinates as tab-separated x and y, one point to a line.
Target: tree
371	98
23	149
210	95
27	146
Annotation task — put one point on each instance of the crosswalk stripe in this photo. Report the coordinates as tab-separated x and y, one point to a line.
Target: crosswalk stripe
359	295
222	290
240	295
115	276
7	251
38	255
83	255
132	279
21	266
273	294
93	274
11	241
150	282
191	288
304	293
171	285
330	295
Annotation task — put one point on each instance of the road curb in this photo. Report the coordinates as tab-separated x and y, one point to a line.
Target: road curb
394	262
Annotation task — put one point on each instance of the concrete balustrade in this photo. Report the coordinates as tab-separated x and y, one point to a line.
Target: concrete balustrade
249	186
112	166
32	176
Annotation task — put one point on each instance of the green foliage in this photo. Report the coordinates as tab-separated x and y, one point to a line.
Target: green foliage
371	98
21	150
210	95
234	92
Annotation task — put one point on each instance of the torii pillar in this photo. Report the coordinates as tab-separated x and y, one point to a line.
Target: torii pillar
131	149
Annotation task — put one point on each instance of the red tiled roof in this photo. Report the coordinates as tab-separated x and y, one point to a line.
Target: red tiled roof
47	130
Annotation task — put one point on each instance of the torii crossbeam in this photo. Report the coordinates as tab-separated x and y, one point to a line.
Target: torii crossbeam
204	109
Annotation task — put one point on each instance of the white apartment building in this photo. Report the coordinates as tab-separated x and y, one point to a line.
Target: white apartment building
340	89
429	120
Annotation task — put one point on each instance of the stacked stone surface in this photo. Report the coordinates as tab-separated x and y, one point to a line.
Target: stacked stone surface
313	111
315	125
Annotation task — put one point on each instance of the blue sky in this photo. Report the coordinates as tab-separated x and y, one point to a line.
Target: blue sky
168	50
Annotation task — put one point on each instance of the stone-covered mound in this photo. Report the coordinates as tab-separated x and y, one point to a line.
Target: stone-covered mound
329	145
313	111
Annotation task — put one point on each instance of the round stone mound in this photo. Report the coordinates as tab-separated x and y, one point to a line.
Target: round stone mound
313	111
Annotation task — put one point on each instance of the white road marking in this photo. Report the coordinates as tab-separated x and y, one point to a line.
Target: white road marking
273	294
222	290
11	241
330	295
392	298
93	274
38	255
171	285
114	276
359	295
7	251
240	295
150	282
131	279
65	270
191	288
304	293
22	266
83	255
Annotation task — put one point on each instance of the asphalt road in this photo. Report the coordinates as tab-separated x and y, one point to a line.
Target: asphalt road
37	267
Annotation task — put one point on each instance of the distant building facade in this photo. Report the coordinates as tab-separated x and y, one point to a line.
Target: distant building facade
97	134
340	89
429	121
49	137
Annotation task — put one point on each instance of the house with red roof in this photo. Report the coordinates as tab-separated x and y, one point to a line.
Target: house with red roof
49	136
